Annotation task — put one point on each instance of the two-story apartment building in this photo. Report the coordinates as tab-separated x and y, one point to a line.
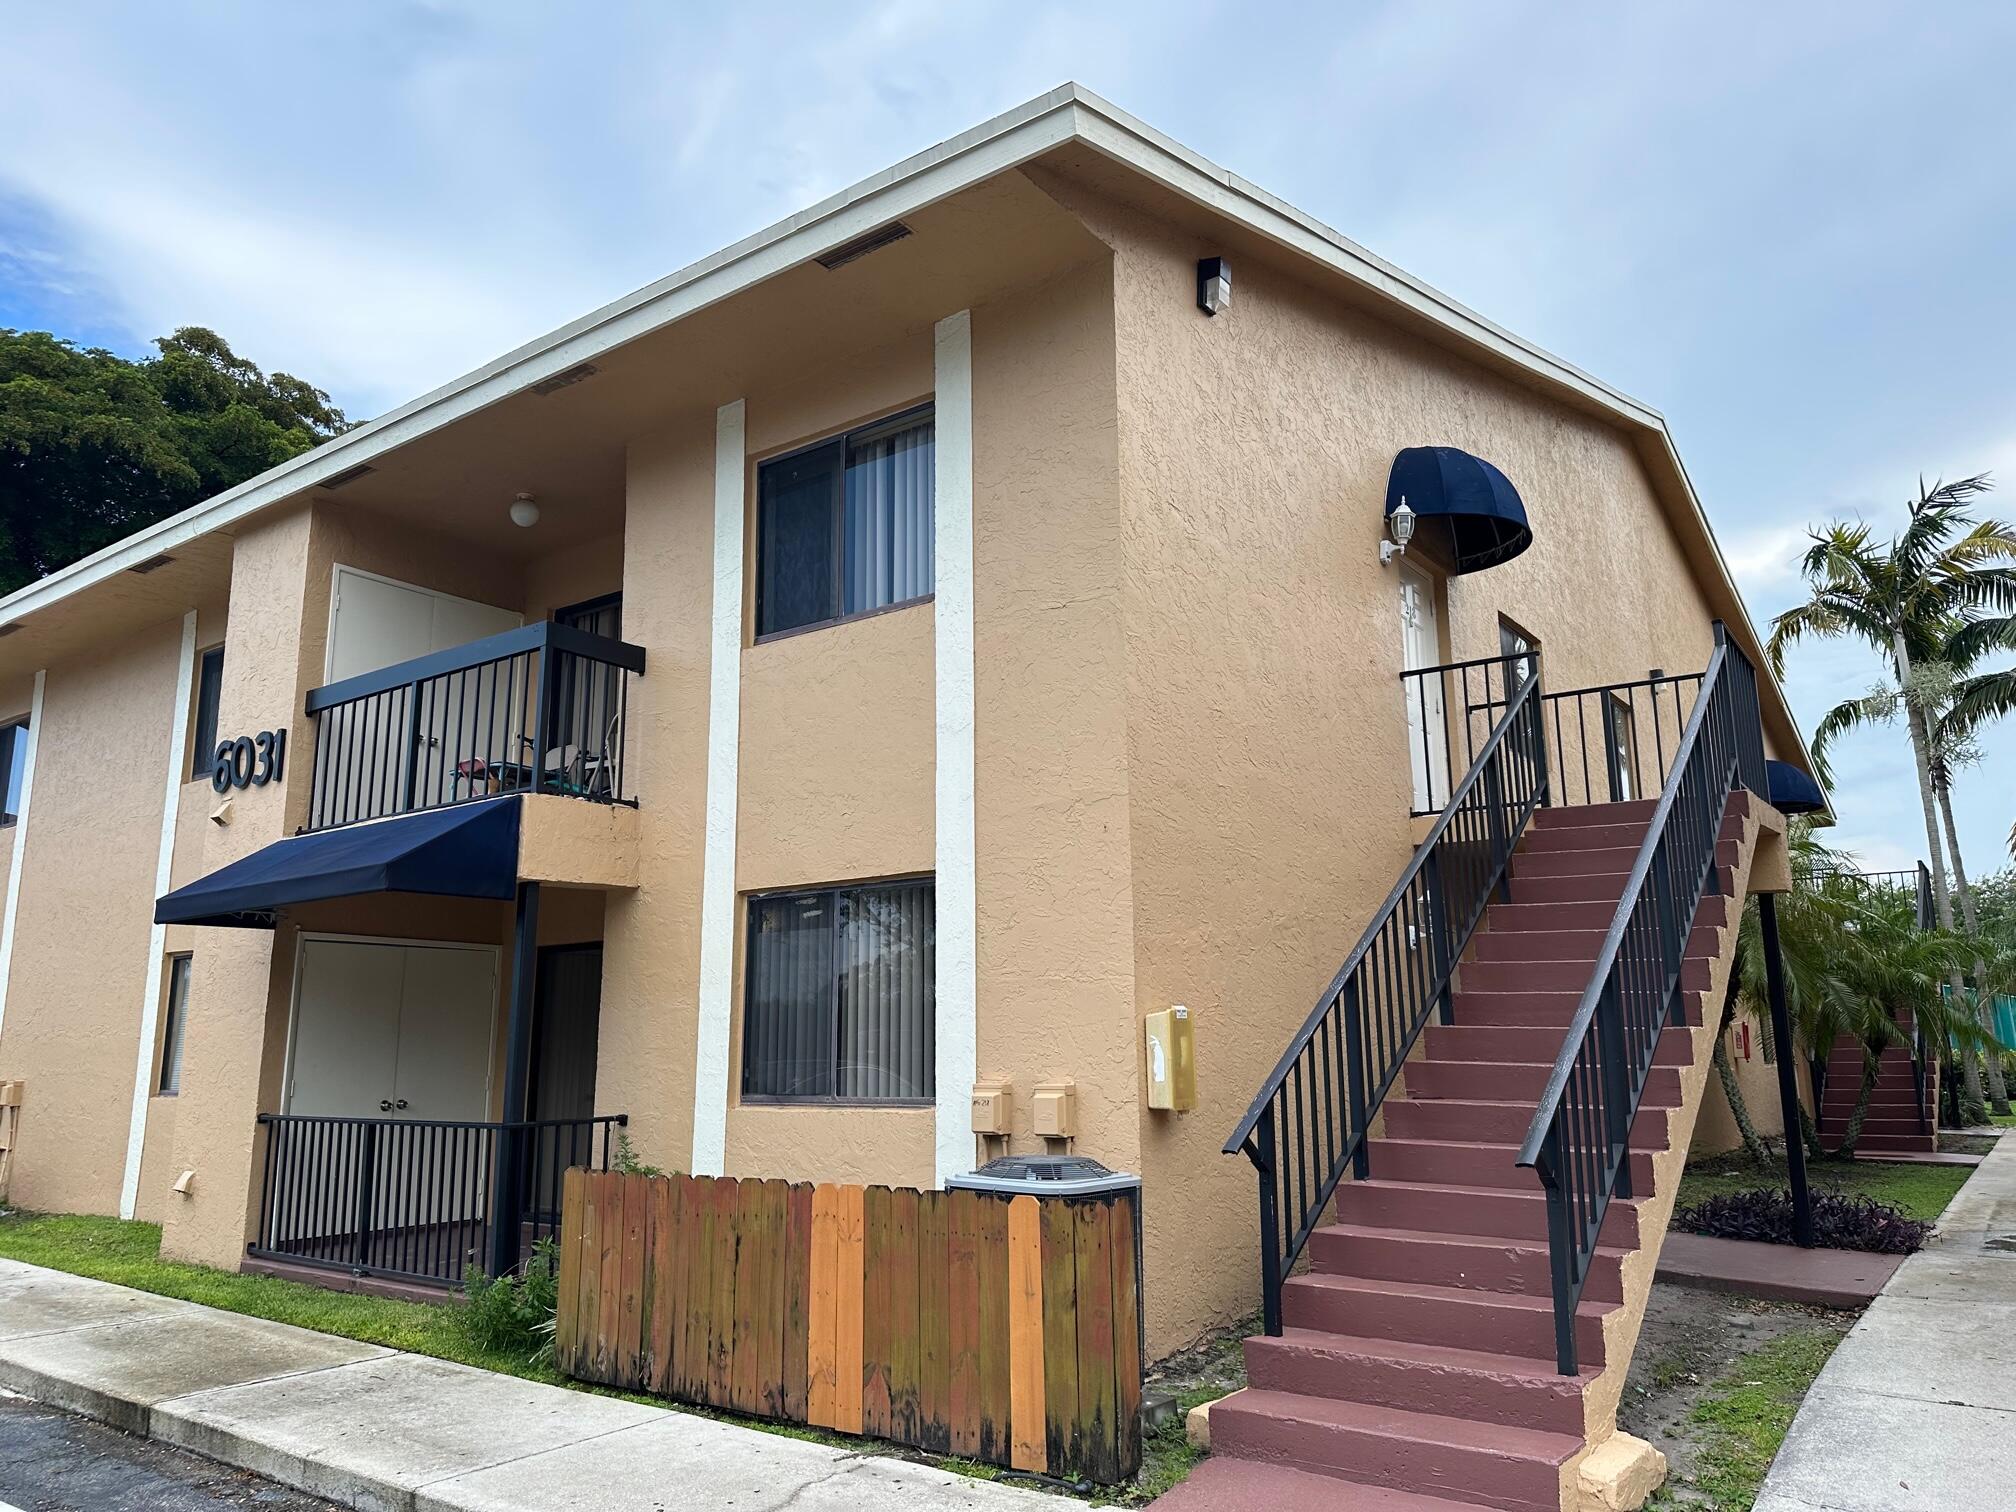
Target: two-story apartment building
902	651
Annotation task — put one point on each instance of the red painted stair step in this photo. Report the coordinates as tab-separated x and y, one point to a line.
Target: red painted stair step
1502	1081
1496	1322
1518	1469
1487	1122
1478	1262
1468	1210
1469	1383
1435	1162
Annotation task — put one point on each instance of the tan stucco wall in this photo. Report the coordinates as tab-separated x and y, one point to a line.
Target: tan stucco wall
1715	1130
81	933
1265	752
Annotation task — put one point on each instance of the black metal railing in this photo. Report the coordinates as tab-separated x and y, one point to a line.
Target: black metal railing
1451	711
414	1199
1579	1139
1614	742
1308	1124
539	709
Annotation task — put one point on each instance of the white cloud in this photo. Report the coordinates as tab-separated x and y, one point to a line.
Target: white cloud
1803	273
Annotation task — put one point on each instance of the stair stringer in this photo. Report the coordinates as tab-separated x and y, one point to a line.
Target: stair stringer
1622	1324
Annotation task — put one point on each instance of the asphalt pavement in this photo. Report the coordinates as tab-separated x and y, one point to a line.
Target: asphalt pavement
53	1462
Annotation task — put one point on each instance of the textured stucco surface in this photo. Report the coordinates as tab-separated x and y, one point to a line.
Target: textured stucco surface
1267	795
80	943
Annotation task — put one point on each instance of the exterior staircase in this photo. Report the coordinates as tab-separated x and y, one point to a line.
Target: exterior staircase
1891	1127
1415	1370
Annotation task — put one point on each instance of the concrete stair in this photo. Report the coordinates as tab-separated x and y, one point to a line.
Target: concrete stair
1415	1370
1891	1126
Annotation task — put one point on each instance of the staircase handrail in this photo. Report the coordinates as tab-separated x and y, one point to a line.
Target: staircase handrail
1696	795
1492	820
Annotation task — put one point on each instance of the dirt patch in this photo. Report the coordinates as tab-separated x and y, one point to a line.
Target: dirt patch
1688	1357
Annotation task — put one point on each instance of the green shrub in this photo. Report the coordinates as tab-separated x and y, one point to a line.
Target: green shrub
513	1313
624	1160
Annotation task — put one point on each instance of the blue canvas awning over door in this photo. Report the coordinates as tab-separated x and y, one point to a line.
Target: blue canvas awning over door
1473	505
470	851
1791	790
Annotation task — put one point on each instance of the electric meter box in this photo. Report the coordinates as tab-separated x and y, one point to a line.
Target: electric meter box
1172	1060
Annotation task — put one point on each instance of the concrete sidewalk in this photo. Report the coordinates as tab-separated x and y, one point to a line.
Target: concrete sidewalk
1916	1410
377	1429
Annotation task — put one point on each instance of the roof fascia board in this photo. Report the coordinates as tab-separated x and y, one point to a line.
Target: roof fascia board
995	146
991	148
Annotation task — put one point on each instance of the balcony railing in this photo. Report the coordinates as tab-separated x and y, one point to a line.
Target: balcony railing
415	1199
540	709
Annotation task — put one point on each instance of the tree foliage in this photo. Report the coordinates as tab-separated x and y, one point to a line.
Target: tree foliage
94	446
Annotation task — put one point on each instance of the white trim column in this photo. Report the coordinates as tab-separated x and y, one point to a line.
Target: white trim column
157	935
724	734
957	988
20	842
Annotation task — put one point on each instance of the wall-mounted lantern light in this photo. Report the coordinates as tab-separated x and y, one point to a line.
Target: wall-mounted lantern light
1400	525
1214	285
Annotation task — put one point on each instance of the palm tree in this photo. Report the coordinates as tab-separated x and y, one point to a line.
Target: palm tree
1904	600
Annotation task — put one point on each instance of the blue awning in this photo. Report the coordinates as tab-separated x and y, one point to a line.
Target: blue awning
1791	790
1466	498
470	851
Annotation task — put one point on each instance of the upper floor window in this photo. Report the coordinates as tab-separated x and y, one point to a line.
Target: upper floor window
209	688
13	768
841	1002
845	527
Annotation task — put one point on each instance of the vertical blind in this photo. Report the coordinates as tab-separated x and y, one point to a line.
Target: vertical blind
841	1000
847	526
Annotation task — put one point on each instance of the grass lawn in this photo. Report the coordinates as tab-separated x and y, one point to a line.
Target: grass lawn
2003	1120
1740	1424
1922	1191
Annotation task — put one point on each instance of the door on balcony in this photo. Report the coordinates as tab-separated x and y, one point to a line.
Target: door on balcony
1421	646
566	1033
377	622
397	1033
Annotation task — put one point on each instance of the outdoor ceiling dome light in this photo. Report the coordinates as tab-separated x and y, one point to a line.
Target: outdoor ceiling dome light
524	511
1400	524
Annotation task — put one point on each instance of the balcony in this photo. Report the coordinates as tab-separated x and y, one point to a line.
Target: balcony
538	710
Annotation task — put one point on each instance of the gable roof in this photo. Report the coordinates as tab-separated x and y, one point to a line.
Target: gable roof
1067	114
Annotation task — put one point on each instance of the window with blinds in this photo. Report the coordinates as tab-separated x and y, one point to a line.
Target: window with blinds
174	1025
846	527
840	1004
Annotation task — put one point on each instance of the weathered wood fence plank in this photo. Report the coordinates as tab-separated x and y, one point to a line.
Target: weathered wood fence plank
1004	1330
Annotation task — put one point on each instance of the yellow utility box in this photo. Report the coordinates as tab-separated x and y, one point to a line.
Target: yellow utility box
1172	1060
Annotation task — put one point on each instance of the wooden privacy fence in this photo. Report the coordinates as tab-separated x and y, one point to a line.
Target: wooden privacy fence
1003	1329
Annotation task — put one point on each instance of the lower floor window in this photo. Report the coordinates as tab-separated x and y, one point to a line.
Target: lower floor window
841	1003
175	1022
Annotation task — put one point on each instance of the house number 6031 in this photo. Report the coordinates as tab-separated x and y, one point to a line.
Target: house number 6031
249	761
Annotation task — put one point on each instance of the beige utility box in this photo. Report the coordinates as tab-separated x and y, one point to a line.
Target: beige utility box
1052	1110
1172	1060
993	1106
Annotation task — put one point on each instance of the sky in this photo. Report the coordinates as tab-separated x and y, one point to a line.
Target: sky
1788	227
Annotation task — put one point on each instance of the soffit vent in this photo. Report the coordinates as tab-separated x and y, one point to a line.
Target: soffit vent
567	379
152	564
348	475
861	246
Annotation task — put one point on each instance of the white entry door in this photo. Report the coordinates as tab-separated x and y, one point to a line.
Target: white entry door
393	1030
401	1035
376	622
1421	646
